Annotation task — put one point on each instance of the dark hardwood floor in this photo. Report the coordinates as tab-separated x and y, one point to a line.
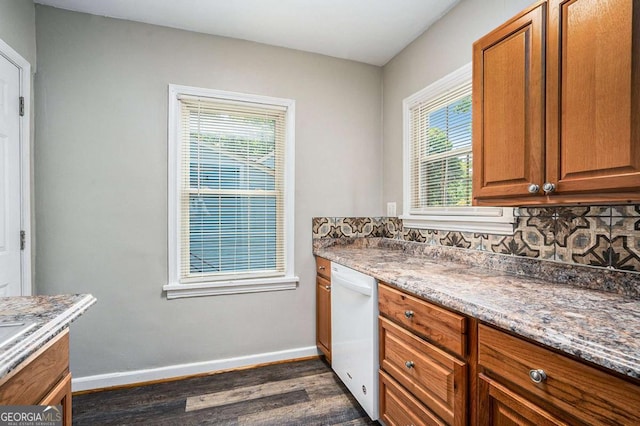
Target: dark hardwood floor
296	393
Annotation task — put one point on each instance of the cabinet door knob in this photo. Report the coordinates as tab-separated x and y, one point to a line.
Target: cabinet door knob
322	268
537	376
327	287
409	364
533	188
408	314
548	187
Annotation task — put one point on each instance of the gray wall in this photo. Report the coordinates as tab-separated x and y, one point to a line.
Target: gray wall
101	190
443	48
18	27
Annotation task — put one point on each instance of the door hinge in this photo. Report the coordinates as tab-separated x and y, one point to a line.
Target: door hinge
22	239
21	106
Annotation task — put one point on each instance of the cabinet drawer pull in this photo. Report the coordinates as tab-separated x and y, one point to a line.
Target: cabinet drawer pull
537	376
409	364
408	314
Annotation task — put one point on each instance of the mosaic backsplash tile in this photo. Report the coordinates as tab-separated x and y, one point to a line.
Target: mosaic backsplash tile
357	227
601	236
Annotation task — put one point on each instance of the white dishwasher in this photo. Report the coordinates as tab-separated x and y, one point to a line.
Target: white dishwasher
354	334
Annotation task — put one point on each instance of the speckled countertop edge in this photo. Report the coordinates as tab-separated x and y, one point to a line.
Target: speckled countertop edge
48	326
462	291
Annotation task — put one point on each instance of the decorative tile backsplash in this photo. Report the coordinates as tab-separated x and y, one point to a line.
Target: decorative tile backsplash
603	236
352	227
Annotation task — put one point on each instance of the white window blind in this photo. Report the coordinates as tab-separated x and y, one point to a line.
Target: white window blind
440	157
231	197
438	161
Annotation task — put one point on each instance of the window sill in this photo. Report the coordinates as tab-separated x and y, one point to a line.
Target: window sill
177	291
465	219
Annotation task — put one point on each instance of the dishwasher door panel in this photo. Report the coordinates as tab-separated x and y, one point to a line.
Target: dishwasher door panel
354	332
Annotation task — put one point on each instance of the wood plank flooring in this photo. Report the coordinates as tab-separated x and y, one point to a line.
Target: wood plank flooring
295	393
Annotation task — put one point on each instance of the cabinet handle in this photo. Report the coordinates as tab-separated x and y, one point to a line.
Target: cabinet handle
321	268
409	364
537	376
408	314
327	287
533	188
548	187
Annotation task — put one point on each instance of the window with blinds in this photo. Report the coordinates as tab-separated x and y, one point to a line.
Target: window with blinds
441	158
438	161
232	201
232	189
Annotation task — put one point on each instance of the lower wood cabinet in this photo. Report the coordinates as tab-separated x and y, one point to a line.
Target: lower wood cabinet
424	370
439	367
42	379
436	378
522	383
323	306
61	395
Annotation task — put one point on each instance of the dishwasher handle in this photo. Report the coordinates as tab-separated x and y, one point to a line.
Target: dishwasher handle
341	280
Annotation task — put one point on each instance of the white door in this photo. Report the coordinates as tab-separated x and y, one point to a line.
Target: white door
10	262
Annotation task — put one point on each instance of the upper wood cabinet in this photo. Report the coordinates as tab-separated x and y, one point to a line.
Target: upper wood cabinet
566	117
508	107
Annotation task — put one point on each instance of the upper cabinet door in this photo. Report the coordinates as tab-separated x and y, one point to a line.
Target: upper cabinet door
593	97
508	107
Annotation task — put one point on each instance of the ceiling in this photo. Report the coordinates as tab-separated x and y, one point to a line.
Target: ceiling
370	31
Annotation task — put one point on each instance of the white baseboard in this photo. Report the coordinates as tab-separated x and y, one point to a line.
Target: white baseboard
101	381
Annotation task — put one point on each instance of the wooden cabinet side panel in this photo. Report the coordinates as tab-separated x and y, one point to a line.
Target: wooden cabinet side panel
61	395
38	374
508	107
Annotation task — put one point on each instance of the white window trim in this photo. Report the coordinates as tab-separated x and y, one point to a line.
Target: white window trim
493	220
287	282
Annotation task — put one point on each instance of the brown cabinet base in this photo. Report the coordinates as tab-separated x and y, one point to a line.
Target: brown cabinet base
323	306
42	379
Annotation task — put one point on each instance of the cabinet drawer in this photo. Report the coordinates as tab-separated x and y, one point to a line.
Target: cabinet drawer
501	406
323	267
438	325
437	379
399	408
584	392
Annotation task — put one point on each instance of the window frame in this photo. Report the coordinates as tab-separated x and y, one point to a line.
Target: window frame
496	220
174	288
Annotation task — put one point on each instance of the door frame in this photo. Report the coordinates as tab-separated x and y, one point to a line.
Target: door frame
25	163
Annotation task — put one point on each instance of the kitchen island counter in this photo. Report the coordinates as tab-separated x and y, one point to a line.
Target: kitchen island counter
50	315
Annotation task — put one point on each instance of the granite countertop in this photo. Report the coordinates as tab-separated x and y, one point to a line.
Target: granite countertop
593	325
51	314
